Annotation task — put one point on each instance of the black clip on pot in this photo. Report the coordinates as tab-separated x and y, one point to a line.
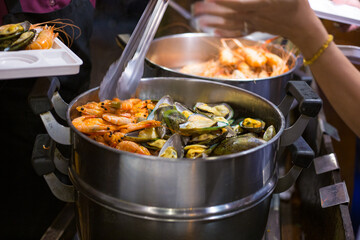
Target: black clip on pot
302	157
309	105
48	162
43	98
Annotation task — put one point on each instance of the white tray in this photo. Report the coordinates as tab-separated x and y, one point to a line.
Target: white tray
342	13
57	61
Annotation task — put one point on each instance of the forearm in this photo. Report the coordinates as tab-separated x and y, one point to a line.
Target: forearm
340	82
334	73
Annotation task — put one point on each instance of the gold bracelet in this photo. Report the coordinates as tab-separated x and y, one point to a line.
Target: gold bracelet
319	52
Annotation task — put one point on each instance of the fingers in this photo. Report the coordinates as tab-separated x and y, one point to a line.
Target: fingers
229	33
240	6
224	23
205	8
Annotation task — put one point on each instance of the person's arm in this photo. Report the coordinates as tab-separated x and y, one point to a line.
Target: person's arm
295	20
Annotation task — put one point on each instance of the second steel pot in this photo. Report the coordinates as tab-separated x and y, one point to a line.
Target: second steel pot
168	54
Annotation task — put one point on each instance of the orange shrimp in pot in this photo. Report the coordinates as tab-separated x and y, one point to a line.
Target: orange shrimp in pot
113	138
98	138
132	147
92	124
117	120
140	125
44	40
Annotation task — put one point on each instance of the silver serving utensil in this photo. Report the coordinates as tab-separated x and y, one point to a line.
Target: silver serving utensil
124	75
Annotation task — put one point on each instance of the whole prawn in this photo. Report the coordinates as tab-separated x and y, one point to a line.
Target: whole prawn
133	147
44	40
47	34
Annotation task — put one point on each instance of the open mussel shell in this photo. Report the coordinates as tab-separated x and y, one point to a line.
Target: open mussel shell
145	135
252	125
195	151
183	109
24	39
237	144
14	28
154	145
173	118
215	110
269	133
11	37
198	124
173	148
164	101
209	138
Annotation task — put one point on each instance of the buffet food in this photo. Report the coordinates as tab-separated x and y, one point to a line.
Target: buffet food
170	129
238	61
27	36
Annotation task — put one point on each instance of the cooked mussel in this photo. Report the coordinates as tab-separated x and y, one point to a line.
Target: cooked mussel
195	150
163	102
173	118
237	144
14	28
145	135
269	133
215	110
24	39
252	125
183	109
209	138
173	147
198	123
155	145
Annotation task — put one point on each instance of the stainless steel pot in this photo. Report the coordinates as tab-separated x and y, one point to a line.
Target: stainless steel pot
123	195
168	54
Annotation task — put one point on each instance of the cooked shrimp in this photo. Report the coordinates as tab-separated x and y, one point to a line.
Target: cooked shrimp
117	120
254	58
93	124
132	147
98	138
44	40
113	138
98	109
129	104
277	64
91	108
140	125
246	70
227	57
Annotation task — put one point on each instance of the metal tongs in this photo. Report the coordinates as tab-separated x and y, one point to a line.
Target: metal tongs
123	76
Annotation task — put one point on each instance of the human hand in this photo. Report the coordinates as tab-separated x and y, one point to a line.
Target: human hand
230	18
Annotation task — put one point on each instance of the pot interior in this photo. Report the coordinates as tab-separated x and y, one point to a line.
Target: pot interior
175	51
189	91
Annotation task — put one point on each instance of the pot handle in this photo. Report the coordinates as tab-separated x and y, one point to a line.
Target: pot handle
309	106
46	164
42	99
302	157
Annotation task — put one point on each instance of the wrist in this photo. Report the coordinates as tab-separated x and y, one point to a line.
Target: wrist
311	39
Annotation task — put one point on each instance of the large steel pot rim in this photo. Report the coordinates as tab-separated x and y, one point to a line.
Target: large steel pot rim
175	214
186	36
156	158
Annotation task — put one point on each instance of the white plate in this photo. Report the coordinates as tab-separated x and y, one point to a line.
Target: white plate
57	61
342	13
